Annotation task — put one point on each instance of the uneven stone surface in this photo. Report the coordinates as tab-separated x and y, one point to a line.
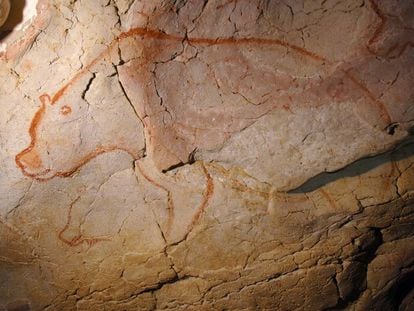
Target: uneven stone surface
207	155
4	11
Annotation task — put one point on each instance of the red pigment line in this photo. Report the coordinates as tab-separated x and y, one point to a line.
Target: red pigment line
91	156
77	240
152	181
160	35
404	47
32	132
329	198
133	32
208	193
170	202
219	41
154	34
80	73
33	138
82	162
381	106
380	27
68	220
258	41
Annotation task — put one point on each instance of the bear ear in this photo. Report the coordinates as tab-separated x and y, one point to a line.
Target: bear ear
45	99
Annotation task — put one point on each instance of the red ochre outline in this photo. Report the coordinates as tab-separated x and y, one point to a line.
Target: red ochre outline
77	240
380	28
144	32
207	195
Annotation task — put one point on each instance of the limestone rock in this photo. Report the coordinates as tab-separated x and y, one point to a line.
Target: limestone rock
207	155
4	11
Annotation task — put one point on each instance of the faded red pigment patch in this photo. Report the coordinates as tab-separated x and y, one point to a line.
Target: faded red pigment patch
65	110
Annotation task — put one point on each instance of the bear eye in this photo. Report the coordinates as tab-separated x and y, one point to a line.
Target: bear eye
65	110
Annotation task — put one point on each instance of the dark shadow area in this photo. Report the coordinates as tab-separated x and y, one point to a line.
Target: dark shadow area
403	150
15	18
403	290
22	307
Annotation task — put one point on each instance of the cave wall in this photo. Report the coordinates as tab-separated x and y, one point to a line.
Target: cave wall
207	155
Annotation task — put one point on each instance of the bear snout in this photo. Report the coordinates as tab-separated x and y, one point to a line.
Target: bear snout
30	162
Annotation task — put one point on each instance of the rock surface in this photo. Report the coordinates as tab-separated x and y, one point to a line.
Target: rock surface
4	11
207	155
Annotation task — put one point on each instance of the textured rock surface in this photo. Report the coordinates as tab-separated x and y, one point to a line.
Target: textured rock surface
206	155
4	11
